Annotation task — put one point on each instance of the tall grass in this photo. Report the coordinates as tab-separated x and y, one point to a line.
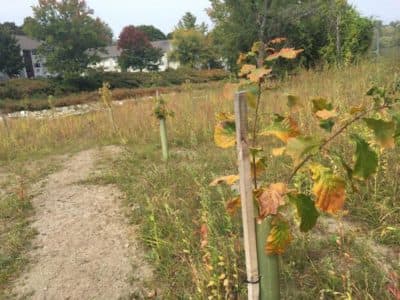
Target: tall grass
192	241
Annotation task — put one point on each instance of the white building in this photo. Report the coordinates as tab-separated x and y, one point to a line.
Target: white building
34	65
109	59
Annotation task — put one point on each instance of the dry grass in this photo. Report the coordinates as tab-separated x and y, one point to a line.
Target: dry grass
172	200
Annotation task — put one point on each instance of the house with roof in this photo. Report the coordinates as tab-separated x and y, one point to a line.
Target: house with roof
109	58
35	66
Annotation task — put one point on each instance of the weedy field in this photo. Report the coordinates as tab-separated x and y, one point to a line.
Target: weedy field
191	239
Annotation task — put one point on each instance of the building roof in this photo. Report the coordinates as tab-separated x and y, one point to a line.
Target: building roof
27	43
113	51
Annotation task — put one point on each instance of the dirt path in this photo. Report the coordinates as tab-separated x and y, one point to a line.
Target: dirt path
84	249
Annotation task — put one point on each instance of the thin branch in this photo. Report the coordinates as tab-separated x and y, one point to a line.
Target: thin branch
254	133
333	136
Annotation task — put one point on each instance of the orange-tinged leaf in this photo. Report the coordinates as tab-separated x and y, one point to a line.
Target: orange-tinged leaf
328	188
326	114
246	69
290	53
241	59
233	205
278	151
270	199
384	131
278	40
225	129
203	236
229	90
229	180
258	74
282	128
279	237
273	56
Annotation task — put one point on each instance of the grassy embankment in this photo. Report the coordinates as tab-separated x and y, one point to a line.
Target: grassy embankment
351	256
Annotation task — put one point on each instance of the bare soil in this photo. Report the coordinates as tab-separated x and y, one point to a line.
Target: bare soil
84	248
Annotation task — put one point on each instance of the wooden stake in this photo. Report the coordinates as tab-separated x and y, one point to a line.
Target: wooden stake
246	196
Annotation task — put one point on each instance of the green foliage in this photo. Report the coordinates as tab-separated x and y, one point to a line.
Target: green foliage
366	159
161	111
192	46
328	191
71	37
10	53
309	25
306	210
153	33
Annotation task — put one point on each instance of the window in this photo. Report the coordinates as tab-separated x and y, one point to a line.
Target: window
38	65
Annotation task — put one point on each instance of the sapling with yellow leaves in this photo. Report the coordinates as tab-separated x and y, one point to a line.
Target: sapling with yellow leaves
314	157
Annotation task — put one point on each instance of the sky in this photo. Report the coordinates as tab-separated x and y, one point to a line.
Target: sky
164	14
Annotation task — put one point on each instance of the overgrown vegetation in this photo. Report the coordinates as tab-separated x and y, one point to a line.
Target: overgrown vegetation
33	94
170	201
15	216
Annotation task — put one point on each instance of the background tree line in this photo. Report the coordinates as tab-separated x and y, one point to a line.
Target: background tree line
329	31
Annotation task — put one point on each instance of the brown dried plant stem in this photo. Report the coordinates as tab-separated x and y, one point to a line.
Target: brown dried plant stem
334	136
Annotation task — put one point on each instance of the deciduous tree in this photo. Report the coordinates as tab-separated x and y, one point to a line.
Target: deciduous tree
10	54
71	36
153	33
137	51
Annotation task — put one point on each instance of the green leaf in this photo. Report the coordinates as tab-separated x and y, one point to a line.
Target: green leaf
327	124
225	131
293	101
299	147
306	210
279	237
384	131
321	104
252	94
366	160
282	128
396	119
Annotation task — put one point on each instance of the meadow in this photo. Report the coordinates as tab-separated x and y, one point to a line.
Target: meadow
353	256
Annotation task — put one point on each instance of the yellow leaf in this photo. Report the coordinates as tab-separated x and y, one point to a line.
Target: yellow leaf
279	237
229	180
246	69
290	53
328	188
326	114
278	40
258	74
233	205
241	59
282	128
224	132
278	151
270	199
